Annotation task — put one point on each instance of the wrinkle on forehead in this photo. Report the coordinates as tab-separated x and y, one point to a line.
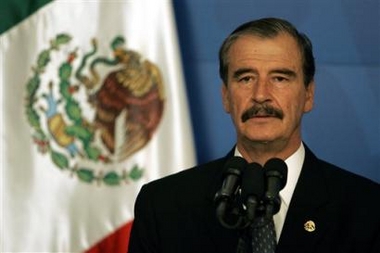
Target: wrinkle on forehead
280	52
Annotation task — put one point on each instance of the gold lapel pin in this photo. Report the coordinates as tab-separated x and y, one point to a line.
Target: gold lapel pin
309	226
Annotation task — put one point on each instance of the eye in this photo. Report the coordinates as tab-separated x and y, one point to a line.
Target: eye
280	79
245	79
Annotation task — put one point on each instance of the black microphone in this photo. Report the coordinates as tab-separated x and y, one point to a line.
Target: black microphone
232	177
252	189
225	197
275	171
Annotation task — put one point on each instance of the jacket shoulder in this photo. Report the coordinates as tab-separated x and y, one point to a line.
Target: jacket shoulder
349	181
198	179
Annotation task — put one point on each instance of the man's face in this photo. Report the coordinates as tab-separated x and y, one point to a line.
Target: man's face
265	93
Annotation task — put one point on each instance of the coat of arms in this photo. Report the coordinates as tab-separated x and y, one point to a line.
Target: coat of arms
94	110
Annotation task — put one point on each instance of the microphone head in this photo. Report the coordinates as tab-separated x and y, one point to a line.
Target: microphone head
235	165
225	199
253	181
233	170
275	167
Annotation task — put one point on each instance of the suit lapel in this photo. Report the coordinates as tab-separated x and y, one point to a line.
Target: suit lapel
306	220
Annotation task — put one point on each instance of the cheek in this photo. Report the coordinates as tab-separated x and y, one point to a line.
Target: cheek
230	101
296	110
239	104
236	101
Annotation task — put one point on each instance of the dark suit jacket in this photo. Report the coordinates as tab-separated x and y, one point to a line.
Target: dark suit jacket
177	213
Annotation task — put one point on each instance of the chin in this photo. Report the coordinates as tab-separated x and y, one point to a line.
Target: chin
260	139
260	136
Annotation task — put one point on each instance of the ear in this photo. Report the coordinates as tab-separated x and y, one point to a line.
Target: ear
309	102
225	98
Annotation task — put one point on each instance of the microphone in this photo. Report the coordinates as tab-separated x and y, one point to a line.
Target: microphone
252	189
232	177
227	193
275	171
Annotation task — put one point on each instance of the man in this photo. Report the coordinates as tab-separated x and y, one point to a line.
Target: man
267	68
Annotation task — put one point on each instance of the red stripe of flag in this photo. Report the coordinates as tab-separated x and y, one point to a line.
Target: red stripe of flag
117	242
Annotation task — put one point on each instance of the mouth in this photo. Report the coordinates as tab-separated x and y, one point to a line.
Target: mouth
262	111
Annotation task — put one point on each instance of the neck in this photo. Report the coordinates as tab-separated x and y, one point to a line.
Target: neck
261	152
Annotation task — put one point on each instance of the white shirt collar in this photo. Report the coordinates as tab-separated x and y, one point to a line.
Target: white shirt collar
294	163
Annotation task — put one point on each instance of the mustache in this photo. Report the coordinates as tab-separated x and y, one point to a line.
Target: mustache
262	110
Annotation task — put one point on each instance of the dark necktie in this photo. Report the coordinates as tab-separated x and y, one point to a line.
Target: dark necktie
263	236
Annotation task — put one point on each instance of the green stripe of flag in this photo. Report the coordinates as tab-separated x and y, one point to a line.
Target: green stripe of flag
14	11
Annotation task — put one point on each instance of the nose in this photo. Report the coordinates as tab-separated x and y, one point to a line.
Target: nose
261	91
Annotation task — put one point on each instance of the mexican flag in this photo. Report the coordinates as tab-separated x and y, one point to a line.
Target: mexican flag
93	106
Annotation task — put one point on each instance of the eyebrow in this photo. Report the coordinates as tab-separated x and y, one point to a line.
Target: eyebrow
283	71
242	71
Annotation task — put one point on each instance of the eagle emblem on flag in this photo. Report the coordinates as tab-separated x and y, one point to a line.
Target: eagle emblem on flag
91	112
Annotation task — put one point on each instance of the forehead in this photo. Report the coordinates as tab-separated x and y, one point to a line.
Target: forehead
279	50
